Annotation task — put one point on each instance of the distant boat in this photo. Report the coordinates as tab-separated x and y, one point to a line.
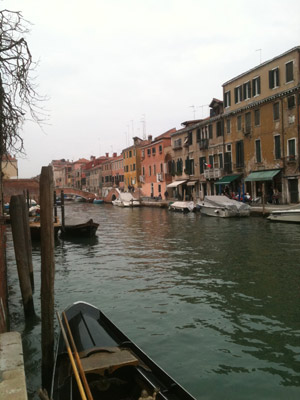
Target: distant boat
113	366
285	216
223	207
98	201
126	199
80	199
182	206
80	229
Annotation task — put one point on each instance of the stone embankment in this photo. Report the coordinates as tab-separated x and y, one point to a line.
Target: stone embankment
12	375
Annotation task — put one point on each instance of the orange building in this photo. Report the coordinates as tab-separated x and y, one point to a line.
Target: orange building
154	165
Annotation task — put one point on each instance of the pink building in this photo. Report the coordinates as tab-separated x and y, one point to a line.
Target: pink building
155	159
117	171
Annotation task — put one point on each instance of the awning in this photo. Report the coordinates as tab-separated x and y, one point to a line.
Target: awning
262	175
191	183
227	179
175	184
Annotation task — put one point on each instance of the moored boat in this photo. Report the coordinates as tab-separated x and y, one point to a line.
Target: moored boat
114	367
80	229
182	206
126	199
98	201
292	216
222	206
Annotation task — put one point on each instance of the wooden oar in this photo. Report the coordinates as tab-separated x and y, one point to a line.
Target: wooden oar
78	380
77	358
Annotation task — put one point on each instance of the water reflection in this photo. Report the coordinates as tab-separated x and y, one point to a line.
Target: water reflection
215	302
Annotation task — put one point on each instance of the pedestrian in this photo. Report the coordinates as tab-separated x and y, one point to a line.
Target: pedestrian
166	195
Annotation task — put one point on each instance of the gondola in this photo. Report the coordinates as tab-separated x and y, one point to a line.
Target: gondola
86	229
114	367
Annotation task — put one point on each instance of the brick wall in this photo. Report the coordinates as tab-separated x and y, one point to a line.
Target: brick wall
12	187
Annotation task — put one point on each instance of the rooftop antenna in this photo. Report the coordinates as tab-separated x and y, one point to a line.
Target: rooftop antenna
260	50
132	128
202	107
143	121
194	111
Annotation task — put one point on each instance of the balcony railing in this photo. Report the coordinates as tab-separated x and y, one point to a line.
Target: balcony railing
203	144
213	173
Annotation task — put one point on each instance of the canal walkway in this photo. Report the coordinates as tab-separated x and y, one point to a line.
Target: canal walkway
12	375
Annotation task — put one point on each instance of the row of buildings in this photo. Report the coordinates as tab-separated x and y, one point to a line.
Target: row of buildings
249	143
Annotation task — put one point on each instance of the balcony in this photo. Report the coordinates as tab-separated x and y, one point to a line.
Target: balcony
160	177
213	173
203	144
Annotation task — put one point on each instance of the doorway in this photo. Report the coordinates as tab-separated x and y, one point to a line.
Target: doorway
293	189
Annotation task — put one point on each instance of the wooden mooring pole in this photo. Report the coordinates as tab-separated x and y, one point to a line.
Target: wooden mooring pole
27	237
21	246
47	274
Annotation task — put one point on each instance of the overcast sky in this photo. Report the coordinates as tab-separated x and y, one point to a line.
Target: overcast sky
107	65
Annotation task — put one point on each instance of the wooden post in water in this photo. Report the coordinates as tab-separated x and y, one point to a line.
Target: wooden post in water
55	206
62	204
21	253
263	198
27	238
47	274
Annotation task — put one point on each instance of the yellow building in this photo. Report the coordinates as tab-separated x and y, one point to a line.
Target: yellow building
261	126
9	167
132	163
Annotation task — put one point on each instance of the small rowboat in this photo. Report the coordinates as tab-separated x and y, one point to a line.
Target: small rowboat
113	366
86	229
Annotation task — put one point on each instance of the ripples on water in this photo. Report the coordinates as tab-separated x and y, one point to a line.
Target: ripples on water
214	302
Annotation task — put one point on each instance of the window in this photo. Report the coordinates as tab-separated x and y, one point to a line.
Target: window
258	151
239	154
154	169
239	123
150	170
133	167
274	78
277	147
161	168
228	126
220	156
202	162
276	111
257	117
190	136
130	153
192	167
292	148
247	90
153	150
220	129
211	161
238	94
160	149
247	122
179	165
149	152
198	135
291	102
256	86
289	71
227	99
210	131
177	144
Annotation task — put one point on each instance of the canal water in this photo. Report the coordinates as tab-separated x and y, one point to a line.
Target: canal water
215	302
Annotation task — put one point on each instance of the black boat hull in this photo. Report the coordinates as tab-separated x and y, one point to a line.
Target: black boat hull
115	367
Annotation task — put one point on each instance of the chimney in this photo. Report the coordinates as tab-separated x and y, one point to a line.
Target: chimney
150	138
115	155
92	158
106	155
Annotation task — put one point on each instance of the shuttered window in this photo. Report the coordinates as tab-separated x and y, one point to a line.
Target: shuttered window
289	71
274	78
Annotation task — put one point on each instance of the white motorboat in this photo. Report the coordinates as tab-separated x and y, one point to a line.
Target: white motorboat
223	207
126	200
183	206
285	216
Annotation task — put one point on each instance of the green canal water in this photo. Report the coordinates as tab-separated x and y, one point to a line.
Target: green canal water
215	302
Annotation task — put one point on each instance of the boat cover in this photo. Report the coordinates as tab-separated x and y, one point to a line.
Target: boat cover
223	201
